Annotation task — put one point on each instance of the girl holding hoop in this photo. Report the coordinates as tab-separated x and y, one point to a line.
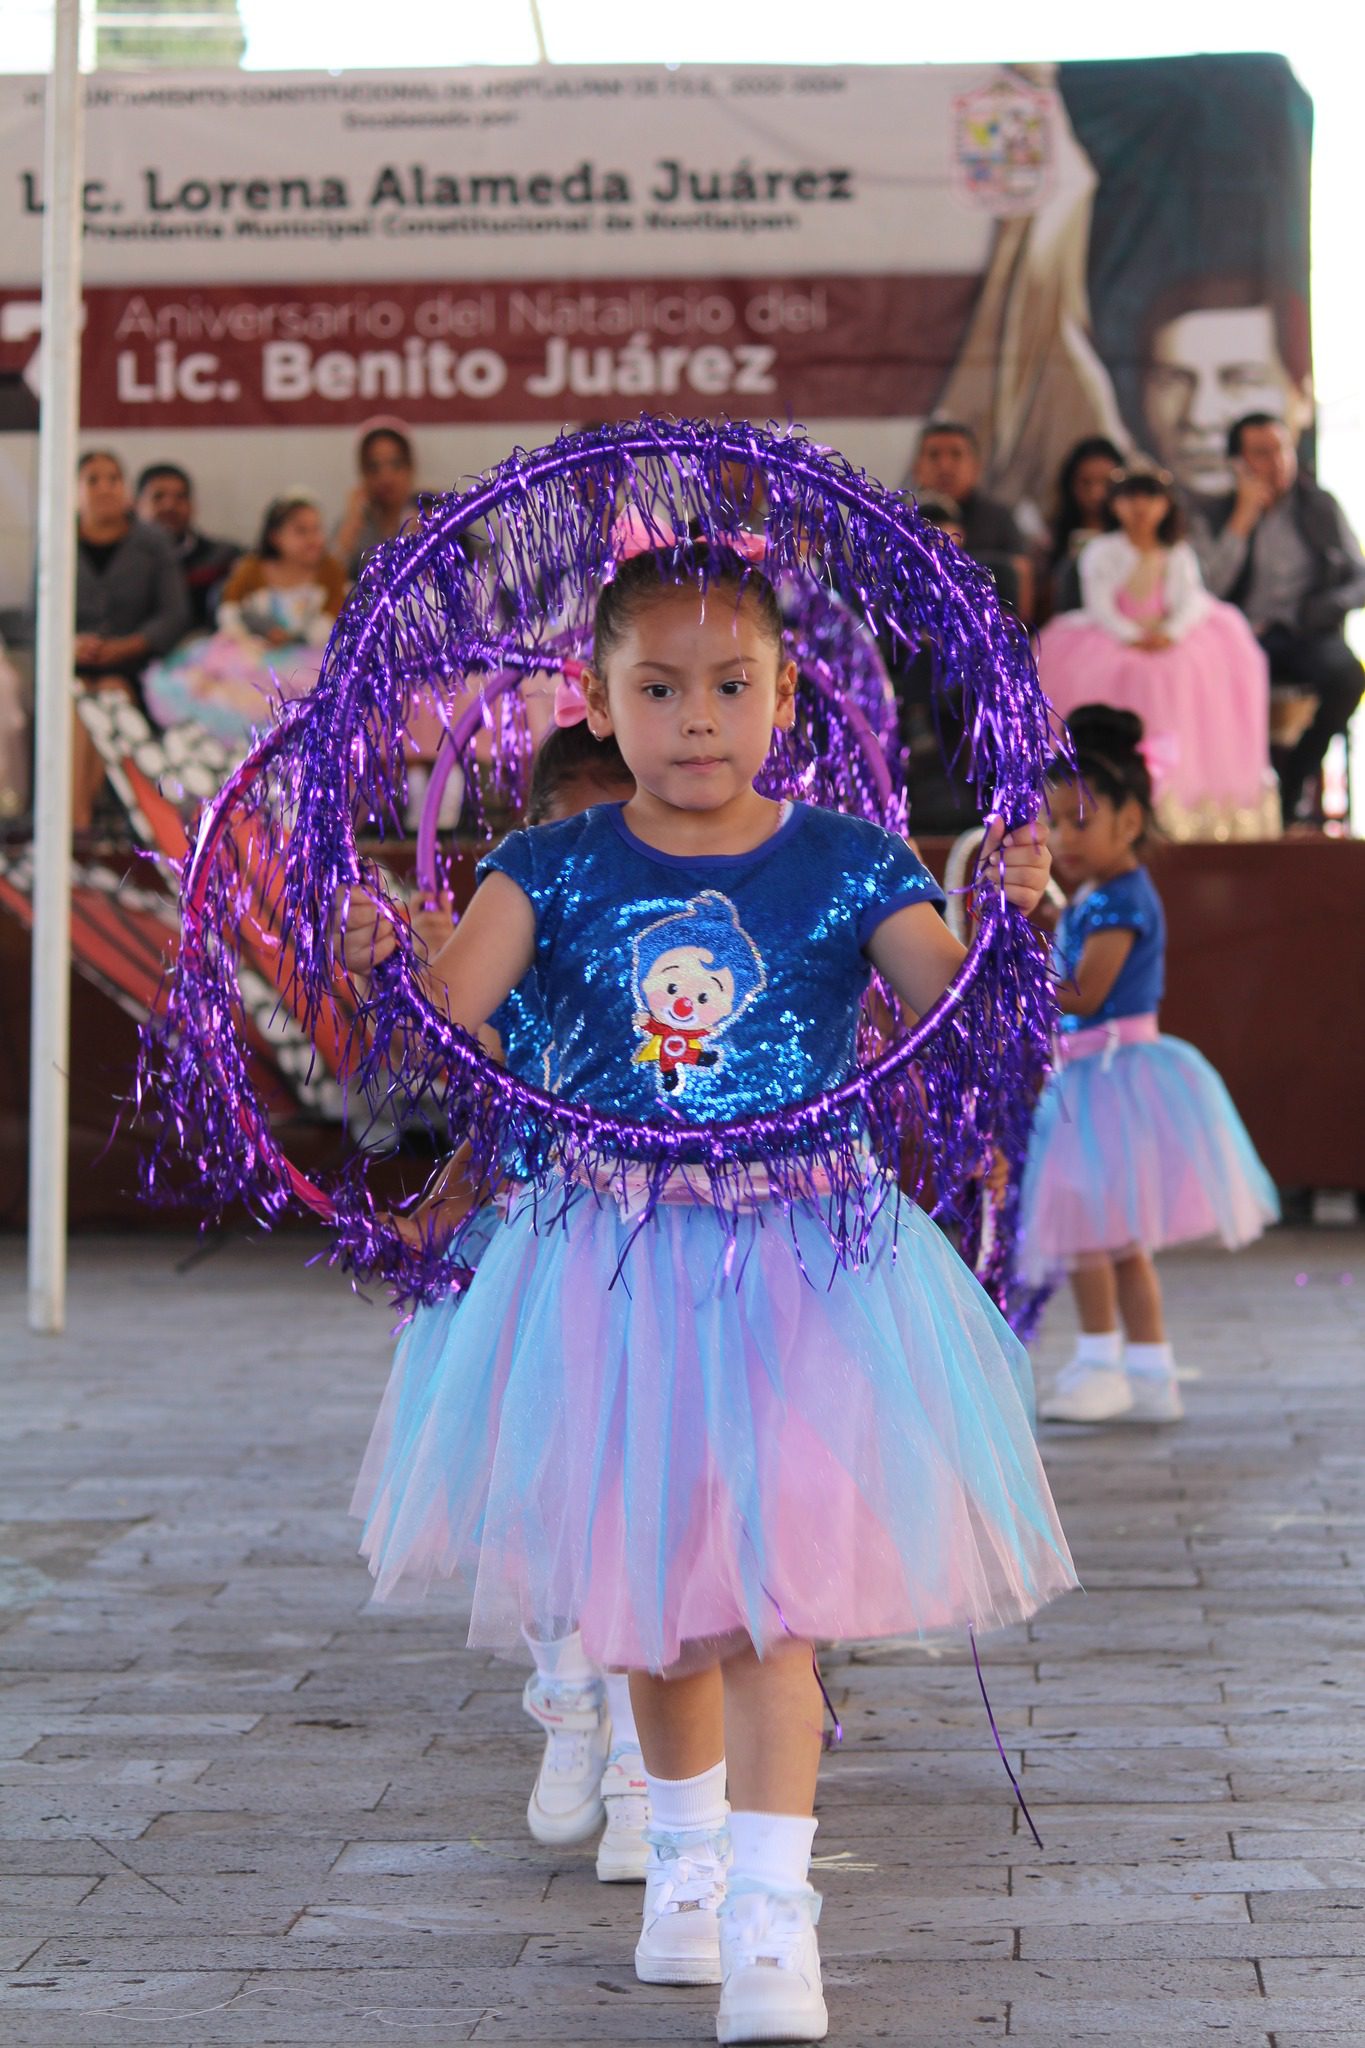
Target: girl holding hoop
1137	1144
698	1435
590	1770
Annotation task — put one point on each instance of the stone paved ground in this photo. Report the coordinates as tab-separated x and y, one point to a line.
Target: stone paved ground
239	1809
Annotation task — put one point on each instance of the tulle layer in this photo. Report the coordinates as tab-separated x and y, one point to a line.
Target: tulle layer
711	1449
227	685
1208	694
1141	1148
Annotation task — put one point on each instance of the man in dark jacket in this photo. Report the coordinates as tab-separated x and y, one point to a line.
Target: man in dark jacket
948	465
165	498
1281	550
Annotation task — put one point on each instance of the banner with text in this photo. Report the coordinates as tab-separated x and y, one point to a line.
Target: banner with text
1048	252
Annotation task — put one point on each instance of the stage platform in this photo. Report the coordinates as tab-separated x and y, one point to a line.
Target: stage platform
1266	976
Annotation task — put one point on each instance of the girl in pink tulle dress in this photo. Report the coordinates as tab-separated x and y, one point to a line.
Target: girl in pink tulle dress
277	612
1150	639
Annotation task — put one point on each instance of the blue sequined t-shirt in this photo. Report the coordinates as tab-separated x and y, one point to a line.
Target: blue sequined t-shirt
525	1035
709	986
1127	904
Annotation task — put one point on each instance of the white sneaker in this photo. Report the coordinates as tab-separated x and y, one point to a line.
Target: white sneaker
1087	1393
566	1799
770	1967
623	1851
684	1886
1156	1397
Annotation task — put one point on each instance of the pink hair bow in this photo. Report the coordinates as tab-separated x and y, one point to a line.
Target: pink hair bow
1160	753
634	532
571	706
750	547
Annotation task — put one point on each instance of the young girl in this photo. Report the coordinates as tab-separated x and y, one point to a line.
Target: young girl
701	1438
591	1769
1151	640
278	607
1136	1143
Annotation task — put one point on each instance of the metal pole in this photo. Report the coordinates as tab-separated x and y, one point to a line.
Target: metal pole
63	158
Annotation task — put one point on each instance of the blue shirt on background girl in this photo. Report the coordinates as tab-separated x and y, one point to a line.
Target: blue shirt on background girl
1128	903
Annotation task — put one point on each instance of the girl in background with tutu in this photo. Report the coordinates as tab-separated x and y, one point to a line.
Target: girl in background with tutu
1149	639
699	1436
591	1770
276	614
1136	1145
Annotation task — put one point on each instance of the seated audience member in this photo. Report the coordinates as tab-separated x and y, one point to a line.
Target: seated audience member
1149	639
131	603
382	505
1279	548
384	502
277	611
945	514
931	725
289	590
165	498
1082	512
14	741
948	465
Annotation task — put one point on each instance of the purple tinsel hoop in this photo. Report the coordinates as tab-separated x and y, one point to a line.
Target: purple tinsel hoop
498	580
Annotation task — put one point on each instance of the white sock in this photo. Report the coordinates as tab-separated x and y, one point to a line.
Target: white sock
1150	1361
563	1660
687	1806
772	1848
1098	1348
623	1730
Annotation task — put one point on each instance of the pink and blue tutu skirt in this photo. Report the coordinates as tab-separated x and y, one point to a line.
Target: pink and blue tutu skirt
1136	1146
735	1440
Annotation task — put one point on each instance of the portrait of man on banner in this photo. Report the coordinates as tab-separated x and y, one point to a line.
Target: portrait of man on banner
1197	270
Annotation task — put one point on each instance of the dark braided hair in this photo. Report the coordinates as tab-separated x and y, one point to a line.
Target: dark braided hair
1108	763
643	578
572	753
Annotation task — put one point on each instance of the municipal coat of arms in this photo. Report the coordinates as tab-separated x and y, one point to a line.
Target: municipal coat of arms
1002	145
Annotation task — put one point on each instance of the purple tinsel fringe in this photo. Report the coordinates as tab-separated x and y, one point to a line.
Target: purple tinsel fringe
504	577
